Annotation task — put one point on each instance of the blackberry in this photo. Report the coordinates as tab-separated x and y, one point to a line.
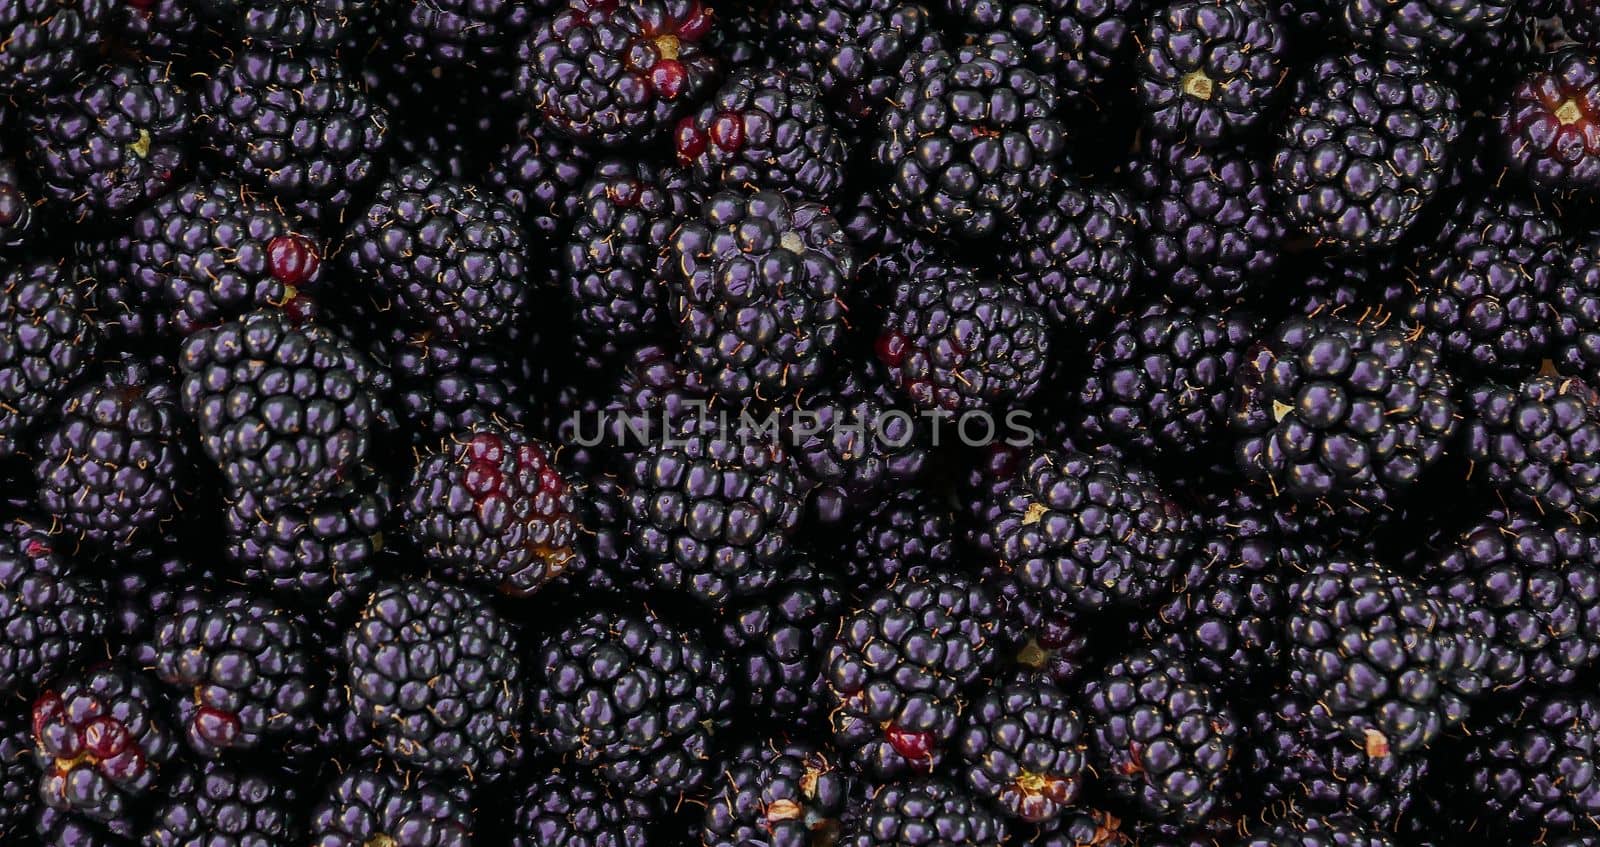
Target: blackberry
714	509
456	32
853	49
155	28
1383	664
49	41
1209	224
296	125
435	672
775	793
1529	770
765	128
1548	124
451	258
16	774
911	528
1530	582
285	408
319	552
1328	775
489	506
17	217
543	175
1208	71
1330	410
112	143
568	808
441	386
897	667
151	583
101	744
636	699
1158	738
1077	256
617	252
1160	380
1087	532
1022	748
969	140
1483	295
1418	27
956	341
617	72
1364	149
1538	442
51	612
773	641
759	301
320	24
112	466
920	812
47	340
1079	44
221	804
854	442
212	250
1575	302
240	669
653	395
1331	831
365	807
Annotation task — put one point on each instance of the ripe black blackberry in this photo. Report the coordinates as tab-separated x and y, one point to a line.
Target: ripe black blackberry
113	465
760	292
1538	442
435	672
52	612
298	126
240	670
365	806
155	28
636	699
897	667
768	129
653	394
1484	292
1420	27
1334	411
1419	661
319	553
1315	831
1364	149
1207	70
285	408
1299	765
1077	255
616	253
564	806
1078	44
1529	768
969	140
47	340
48	42
212	250
911	528
920	812
16	773
1157	738
1022	748
113	142
713	508
448	256
775	793
1576	305
216	803
17	217
957	341
773	642
319	24
853	49
542	174
489	506
1531	583
440	385
1087	532
1160	380
854	443
1548	125
617	72
1209	224
458	32
101	743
